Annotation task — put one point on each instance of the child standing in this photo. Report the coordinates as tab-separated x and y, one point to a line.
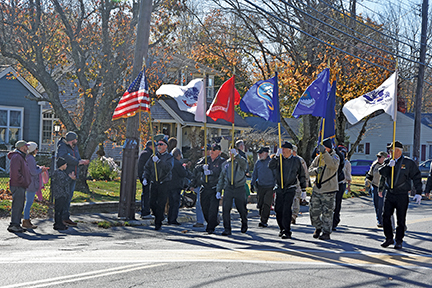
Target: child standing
60	182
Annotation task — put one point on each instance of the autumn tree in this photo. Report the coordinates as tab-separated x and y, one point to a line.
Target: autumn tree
87	43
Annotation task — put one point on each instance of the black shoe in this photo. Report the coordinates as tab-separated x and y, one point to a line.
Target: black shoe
263	225
60	227
398	245
210	231
286	236
16	229
324	236
281	232
387	243
334	228
317	233
244	228
379	225
174	223
226	233
158	227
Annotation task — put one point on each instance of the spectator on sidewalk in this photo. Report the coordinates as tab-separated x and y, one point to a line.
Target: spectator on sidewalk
68	149
299	195
145	195
264	181
234	190
35	172
373	180
60	182
159	188
20	179
322	203
293	172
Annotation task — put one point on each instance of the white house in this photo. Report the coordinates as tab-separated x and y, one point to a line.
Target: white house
379	132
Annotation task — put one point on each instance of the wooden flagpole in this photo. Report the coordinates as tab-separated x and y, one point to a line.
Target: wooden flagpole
205	123
322	140
394	123
153	146
280	156
232	157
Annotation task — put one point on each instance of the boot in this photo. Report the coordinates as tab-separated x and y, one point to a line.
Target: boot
27	224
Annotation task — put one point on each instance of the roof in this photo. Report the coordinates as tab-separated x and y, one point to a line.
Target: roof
260	124
5	70
171	108
426	118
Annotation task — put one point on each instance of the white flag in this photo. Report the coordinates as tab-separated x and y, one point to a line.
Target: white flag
384	97
200	114
186	96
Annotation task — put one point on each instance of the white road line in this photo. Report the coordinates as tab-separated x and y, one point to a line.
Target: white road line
82	276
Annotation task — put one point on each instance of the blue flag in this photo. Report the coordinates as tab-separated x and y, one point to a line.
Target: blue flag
262	99
330	117
312	102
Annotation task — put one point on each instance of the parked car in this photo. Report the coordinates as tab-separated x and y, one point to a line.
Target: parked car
360	167
425	167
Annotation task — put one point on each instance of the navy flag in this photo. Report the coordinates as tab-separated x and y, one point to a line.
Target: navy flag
262	100
330	117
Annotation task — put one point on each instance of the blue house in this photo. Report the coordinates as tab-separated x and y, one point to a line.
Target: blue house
20	118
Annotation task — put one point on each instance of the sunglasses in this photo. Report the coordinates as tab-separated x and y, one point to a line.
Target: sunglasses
160	144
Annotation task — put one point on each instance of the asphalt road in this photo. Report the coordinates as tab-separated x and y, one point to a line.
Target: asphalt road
183	256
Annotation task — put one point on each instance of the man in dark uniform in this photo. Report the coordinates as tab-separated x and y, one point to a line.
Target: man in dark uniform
405	171
292	170
207	175
159	188
145	195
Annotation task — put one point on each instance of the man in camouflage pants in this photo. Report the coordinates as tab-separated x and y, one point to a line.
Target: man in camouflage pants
322	202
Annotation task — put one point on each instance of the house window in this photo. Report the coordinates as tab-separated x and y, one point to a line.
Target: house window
11	121
209	86
406	150
48	119
359	149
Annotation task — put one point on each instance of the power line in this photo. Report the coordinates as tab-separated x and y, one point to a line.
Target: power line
322	41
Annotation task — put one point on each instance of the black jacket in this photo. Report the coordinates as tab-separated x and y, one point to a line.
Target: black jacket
143	158
178	175
405	171
292	170
164	168
214	166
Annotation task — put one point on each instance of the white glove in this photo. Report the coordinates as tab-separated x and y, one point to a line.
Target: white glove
417	198
279	152
207	172
322	148
218	195
205	166
155	158
145	182
303	195
234	152
392	163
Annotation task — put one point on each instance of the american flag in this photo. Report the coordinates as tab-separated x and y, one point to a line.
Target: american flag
136	98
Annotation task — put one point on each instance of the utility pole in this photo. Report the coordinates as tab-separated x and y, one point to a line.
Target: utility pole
420	79
131	145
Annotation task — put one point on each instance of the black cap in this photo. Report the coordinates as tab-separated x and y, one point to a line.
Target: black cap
328	143
216	146
60	162
163	140
287	145
263	149
71	136
397	145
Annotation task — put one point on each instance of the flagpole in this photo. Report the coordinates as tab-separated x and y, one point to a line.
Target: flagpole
205	124
232	157
153	146
322	141
394	124
280	157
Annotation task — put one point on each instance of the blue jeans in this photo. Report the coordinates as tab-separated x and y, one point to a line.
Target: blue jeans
198	209
29	202
66	213
378	203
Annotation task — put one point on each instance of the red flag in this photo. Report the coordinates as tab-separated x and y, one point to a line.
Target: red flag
222	106
135	98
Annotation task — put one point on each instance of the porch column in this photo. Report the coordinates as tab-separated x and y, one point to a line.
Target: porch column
179	136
